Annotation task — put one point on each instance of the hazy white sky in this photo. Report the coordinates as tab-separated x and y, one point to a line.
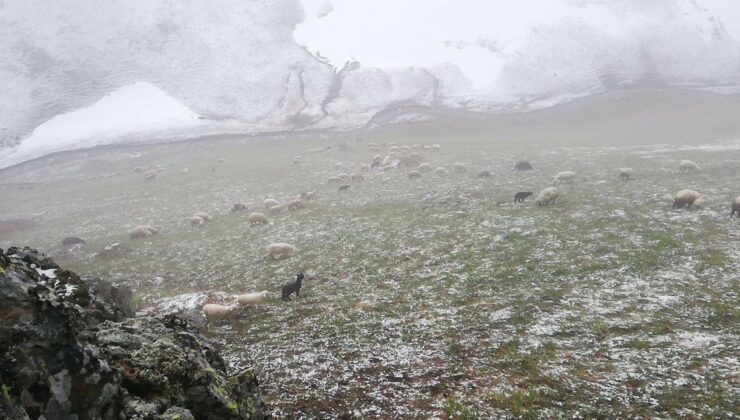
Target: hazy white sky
480	36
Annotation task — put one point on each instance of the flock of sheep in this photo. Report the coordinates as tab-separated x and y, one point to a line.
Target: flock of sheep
390	157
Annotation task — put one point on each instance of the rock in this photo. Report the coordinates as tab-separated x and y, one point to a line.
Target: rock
69	350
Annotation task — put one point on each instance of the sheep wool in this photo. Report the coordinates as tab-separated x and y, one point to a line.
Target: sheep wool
280	249
547	196
254	298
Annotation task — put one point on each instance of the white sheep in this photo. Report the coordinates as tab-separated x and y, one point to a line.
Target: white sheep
358	177
279	249
215	311
441	171
278	208
269	202
195	220
203	215
459	167
142	231
688	198
295	204
257	219
424	167
254	298
625	174
414	174
565	176
687	166
547	196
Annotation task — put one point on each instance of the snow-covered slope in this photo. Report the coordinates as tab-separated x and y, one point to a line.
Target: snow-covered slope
292	64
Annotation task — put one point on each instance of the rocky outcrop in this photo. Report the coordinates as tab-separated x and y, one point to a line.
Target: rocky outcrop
69	350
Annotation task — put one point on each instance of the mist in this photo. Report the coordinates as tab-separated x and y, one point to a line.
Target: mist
389	209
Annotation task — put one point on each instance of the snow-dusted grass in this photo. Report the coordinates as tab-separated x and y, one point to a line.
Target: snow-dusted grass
431	296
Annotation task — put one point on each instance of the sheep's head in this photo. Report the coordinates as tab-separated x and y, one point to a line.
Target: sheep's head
299	276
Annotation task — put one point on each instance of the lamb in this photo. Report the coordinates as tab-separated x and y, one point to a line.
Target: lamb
279	249
520	196
484	174
547	196
254	298
257	219
203	215
687	166
195	220
522	165
425	167
269	202
625	174
687	198
142	231
441	171
565	176
414	174
295	204
238	207
215	311
72	240
294	287
459	167
735	207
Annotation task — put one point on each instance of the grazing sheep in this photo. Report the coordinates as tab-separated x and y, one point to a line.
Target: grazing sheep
142	231
150	176
195	220
425	167
294	287
441	171
203	215
279	249
215	311
257	219
484	174
238	207
735	207
414	174
344	187
278	208
295	204
687	198
72	240
565	176
269	202
547	196
520	196
254	298
625	174
687	166
522	165
459	167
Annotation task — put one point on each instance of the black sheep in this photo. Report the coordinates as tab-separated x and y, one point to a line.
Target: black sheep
294	287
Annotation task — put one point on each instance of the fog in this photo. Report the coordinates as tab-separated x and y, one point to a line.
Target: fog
388	209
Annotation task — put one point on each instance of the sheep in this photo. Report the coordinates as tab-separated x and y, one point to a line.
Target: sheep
215	311
150	176
625	174
436	147
522	165
565	176
279	249
254	298
295	204
547	196
414	174
520	196
72	240
278	208
735	207
484	174
424	167
441	171
238	207
459	167
344	177
687	198
142	231
195	220
203	215
333	180
294	287
357	177
269	202
365	167
255	218
687	166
